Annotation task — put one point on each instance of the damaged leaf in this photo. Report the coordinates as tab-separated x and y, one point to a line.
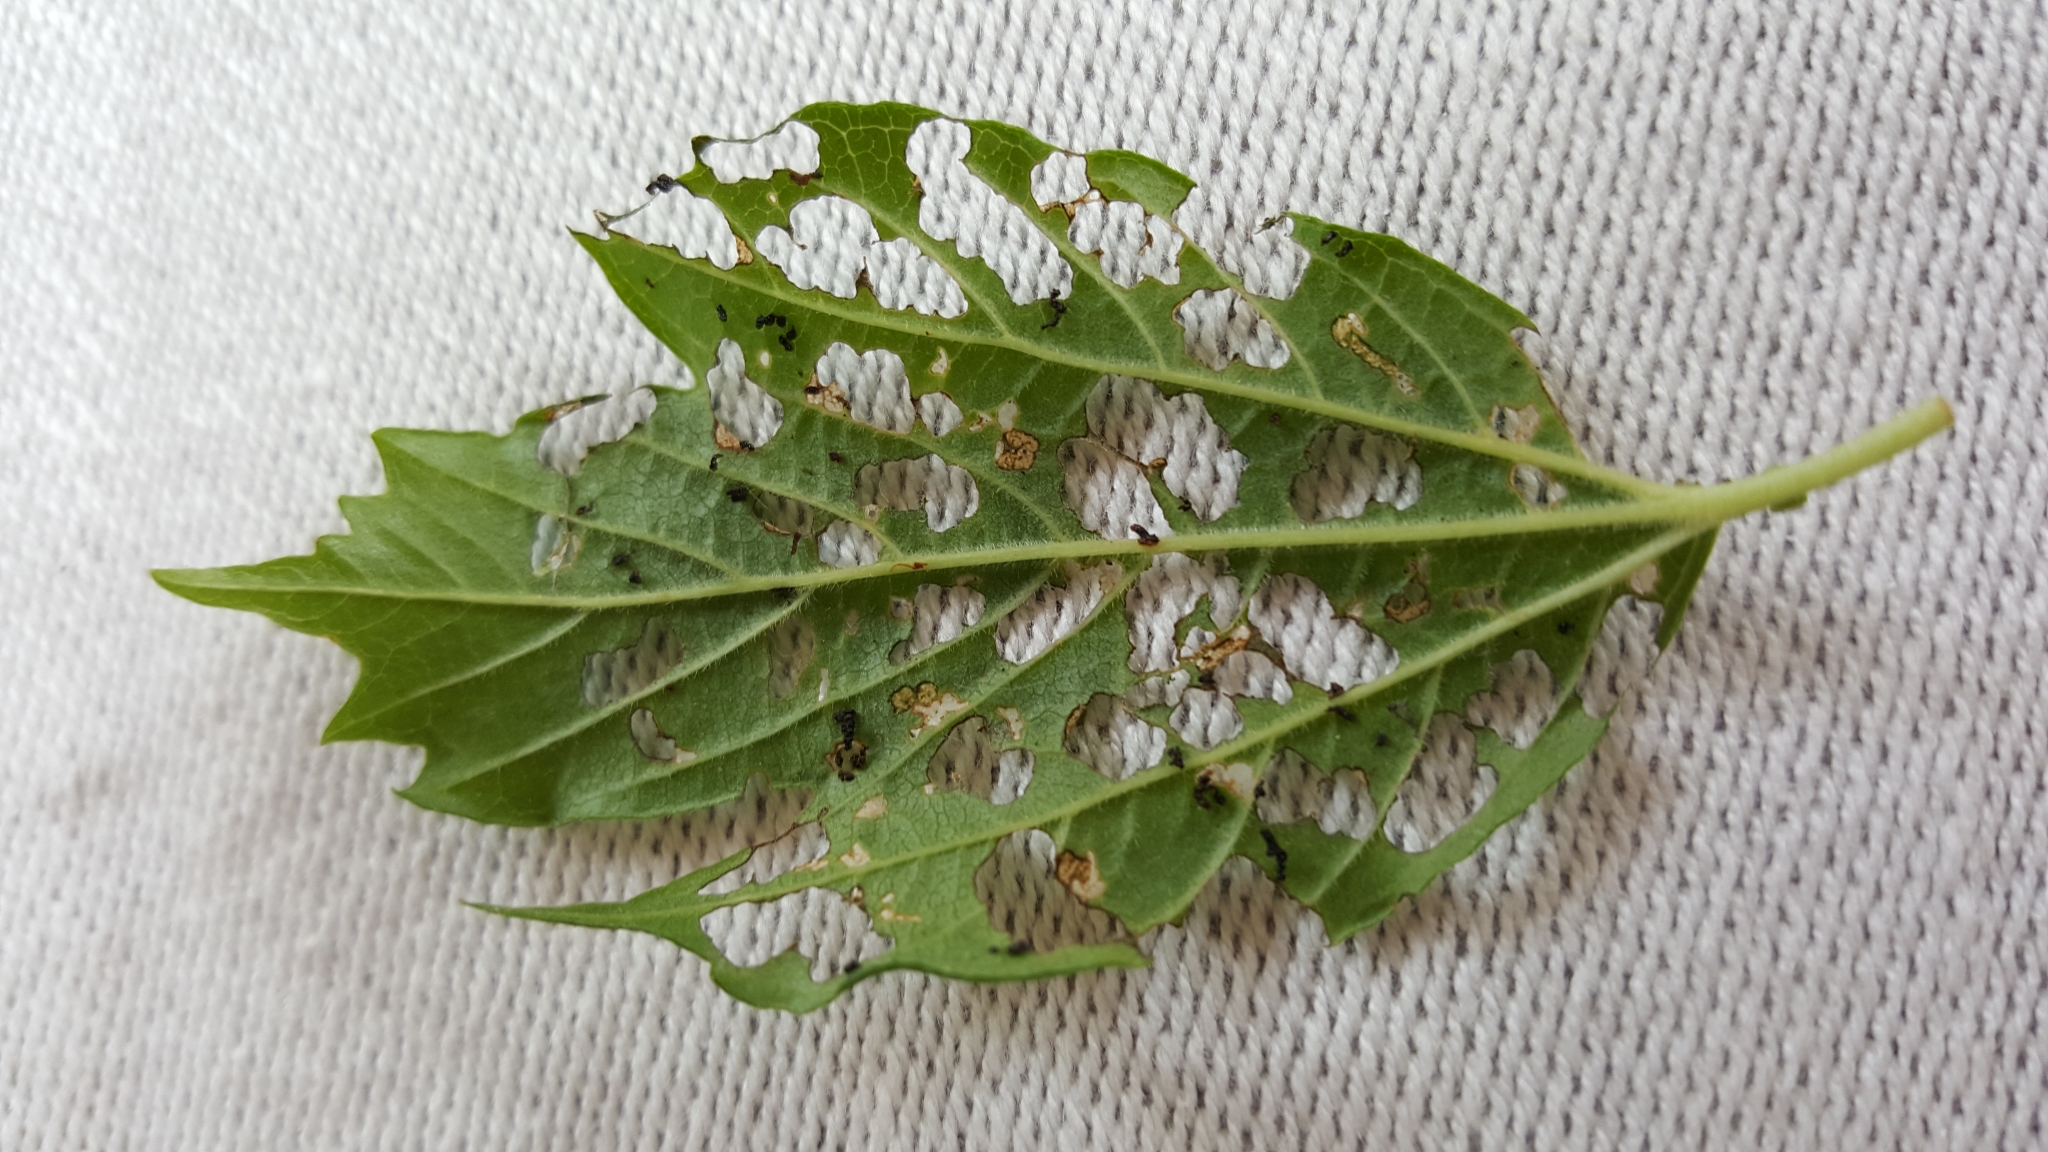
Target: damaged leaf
1009	524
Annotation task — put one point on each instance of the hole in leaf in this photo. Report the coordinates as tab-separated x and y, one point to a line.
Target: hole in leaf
967	761
822	926
609	677
793	146
1053	612
1324	649
958	206
1108	493
1295	790
939	413
1027	902
797	846
1154	691
1245	240
845	544
944	490
1192	451
1165	593
1443	788
1347	468
875	388
1522	701
1221	325
1536	487
742	407
691	225
1251	674
555	544
1061	178
1516	424
1105	736
792	645
1206	718
653	743
825	246
575	431
1134	244
902	276
941	614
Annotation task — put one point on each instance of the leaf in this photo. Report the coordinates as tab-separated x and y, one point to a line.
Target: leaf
998	517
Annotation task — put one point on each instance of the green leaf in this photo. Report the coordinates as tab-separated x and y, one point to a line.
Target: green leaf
1320	580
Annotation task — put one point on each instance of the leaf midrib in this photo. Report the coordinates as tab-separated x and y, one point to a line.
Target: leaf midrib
874	316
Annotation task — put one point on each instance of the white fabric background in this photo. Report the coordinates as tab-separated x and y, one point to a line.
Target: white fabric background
1797	900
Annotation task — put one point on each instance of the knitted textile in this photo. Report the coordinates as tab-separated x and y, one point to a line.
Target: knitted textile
1797	899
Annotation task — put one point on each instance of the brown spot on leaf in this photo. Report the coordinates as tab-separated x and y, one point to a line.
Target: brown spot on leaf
872	809
1212	654
1079	875
1350	332
931	706
1412	601
723	437
1017	450
828	397
746	254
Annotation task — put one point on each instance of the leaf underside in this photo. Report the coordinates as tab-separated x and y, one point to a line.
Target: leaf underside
1352	691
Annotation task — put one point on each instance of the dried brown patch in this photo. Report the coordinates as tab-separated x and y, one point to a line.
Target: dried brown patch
726	441
1079	875
1016	451
1212	655
746	255
931	706
828	397
1350	332
1412	601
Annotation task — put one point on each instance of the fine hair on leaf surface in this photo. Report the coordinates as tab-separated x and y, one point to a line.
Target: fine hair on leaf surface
1021	542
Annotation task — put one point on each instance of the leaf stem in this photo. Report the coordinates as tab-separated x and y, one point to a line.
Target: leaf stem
1789	483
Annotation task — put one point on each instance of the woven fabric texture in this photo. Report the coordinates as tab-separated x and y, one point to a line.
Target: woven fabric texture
1797	899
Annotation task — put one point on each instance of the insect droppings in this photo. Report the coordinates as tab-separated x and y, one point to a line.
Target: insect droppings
1278	854
737	493
1145	538
1344	249
721	312
1329	236
1059	311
